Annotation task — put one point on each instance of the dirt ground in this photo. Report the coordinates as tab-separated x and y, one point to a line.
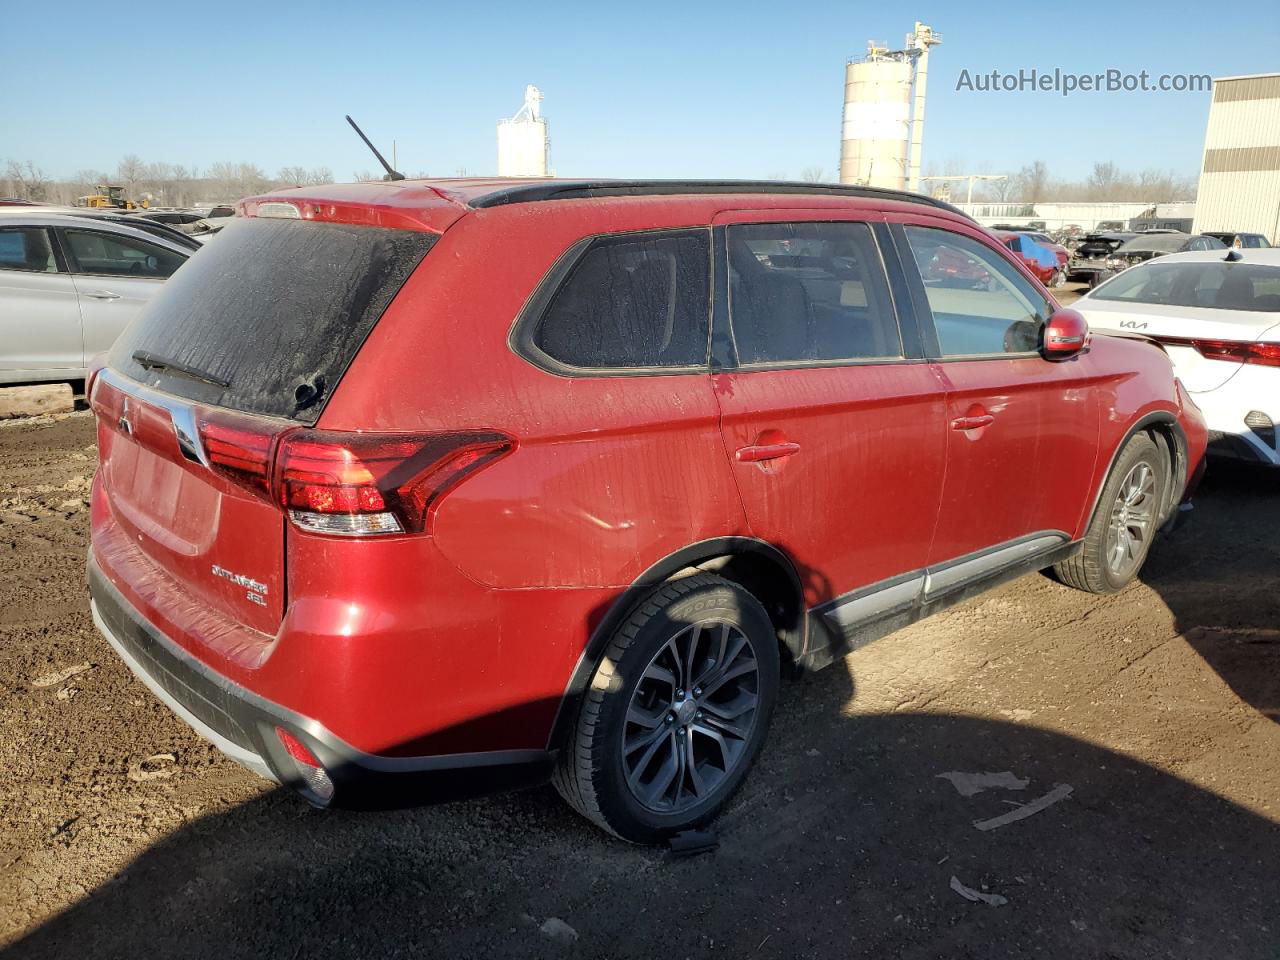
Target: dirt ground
1157	708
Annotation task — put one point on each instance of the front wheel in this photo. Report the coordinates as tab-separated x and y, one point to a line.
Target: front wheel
676	712
1125	521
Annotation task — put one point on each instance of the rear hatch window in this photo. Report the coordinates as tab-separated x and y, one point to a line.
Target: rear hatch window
267	319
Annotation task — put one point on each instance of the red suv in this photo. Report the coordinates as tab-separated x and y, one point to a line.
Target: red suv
411	490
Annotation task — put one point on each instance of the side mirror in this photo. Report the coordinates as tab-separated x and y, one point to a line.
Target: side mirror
1065	335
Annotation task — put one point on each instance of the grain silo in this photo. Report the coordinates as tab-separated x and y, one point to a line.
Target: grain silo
524	149
877	115
883	127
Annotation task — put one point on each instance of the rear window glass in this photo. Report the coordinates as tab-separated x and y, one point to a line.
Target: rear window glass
632	302
1216	284
267	319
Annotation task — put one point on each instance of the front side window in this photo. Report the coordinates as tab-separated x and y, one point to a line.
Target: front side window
981	305
26	248
632	301
106	254
809	291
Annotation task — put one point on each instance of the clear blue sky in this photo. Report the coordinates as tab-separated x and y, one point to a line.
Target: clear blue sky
661	89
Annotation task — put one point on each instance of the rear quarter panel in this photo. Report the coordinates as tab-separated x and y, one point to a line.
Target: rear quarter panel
610	474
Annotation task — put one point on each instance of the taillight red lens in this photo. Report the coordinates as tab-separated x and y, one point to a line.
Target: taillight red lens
240	448
347	484
392	480
1235	351
1266	354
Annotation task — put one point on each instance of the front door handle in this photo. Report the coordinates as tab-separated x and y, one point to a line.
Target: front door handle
761	452
103	295
972	423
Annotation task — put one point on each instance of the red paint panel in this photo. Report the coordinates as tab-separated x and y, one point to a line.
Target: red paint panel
858	501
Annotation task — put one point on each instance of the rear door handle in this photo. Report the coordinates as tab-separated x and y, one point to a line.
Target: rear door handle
103	295
972	423
766	451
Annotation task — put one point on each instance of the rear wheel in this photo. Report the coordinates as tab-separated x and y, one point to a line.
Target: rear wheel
1124	523
676	713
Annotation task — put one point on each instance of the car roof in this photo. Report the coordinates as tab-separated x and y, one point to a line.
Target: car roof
432	204
24	216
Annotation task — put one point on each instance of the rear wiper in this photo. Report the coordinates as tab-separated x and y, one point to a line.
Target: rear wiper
151	362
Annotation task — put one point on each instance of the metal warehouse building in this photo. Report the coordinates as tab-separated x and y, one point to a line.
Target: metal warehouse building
1240	174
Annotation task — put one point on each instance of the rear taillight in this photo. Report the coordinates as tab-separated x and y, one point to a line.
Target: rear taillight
345	484
1236	351
1266	354
356	484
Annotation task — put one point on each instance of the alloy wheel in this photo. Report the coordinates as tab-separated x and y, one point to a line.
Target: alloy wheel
691	716
1132	521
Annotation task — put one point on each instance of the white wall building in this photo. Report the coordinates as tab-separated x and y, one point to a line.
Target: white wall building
1240	172
1085	215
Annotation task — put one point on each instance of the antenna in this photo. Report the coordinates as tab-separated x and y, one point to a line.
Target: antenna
392	174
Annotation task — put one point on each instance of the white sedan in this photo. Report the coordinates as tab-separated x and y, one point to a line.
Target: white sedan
69	285
1218	315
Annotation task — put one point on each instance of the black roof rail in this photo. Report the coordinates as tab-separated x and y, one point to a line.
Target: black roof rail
539	190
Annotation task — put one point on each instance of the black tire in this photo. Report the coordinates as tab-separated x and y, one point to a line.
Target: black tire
592	772
1091	569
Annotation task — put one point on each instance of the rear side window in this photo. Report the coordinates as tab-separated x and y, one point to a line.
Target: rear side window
809	291
1214	283
632	302
26	248
105	254
981	305
267	319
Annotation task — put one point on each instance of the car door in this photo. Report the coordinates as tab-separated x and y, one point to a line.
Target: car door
831	420
1022	431
39	313
115	275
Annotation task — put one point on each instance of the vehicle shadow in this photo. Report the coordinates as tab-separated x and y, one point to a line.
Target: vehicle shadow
844	843
1220	577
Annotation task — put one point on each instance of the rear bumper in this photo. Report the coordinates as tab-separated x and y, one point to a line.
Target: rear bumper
243	725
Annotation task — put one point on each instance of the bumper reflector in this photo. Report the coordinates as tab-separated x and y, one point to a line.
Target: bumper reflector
318	785
1261	424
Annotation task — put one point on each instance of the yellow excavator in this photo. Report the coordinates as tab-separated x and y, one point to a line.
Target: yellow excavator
110	196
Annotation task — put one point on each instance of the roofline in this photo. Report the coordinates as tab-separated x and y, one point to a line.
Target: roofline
542	190
1246	76
74	220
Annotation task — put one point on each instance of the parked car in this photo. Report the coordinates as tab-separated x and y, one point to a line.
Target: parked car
1157	243
68	286
179	219
1089	259
162	230
1111	226
1246	241
414	489
1219	320
16	202
1040	258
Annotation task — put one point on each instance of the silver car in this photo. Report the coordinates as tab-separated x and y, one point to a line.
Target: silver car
68	286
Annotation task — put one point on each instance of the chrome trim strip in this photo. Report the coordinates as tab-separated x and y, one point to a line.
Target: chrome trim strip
944	577
875	601
181	414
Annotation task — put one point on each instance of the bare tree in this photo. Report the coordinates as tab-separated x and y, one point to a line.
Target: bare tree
130	171
812	174
1032	181
319	175
296	176
27	180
